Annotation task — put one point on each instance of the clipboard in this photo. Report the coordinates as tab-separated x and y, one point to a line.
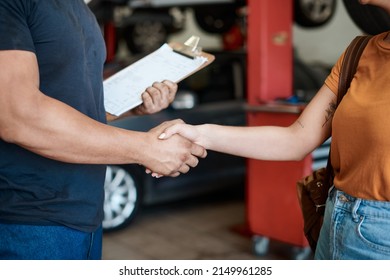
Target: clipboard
191	49
174	61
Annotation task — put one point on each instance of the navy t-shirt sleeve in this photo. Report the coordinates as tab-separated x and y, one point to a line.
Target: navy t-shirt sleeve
14	28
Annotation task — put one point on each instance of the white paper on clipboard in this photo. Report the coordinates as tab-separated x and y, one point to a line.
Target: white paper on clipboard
123	90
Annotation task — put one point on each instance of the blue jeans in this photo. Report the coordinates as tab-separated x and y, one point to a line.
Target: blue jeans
354	229
30	242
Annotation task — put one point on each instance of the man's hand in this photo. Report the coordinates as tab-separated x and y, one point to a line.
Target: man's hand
156	98
172	156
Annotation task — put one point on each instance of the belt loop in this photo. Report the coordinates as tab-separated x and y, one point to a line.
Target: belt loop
355	207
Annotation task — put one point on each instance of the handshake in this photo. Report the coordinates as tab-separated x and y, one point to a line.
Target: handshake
175	147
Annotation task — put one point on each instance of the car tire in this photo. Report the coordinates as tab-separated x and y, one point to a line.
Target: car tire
215	19
313	13
370	19
123	196
145	36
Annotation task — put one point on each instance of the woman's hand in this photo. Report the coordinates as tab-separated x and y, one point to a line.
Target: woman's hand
191	132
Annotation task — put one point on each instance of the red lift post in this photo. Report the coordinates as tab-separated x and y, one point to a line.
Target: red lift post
109	32
272	207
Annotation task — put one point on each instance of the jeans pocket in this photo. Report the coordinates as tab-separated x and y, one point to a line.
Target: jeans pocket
374	231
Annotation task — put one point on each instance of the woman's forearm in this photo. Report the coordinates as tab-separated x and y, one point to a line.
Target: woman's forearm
265	142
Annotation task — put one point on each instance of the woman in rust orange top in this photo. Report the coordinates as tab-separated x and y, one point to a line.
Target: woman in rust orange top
357	218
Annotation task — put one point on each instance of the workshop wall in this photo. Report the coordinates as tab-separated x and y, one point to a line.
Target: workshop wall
325	44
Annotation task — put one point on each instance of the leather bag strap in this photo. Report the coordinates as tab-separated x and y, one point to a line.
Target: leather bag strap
347	71
350	63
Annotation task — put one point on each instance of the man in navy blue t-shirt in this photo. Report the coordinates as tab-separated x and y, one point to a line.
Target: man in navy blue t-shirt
54	140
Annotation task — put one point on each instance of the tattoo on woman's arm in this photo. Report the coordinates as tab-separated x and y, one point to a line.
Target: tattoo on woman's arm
329	112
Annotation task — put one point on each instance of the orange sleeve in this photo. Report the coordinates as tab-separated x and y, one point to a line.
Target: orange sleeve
332	81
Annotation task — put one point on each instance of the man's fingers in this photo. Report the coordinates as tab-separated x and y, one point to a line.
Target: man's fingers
163	88
147	99
198	151
192	161
172	86
154	96
184	169
175	174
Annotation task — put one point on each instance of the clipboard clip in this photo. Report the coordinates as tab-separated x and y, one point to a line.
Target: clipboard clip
190	48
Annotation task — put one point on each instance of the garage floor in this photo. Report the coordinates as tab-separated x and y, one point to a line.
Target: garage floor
204	228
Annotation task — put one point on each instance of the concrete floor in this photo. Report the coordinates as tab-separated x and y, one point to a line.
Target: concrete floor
203	228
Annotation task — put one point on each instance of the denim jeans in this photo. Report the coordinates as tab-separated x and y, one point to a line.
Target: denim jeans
30	242
354	228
